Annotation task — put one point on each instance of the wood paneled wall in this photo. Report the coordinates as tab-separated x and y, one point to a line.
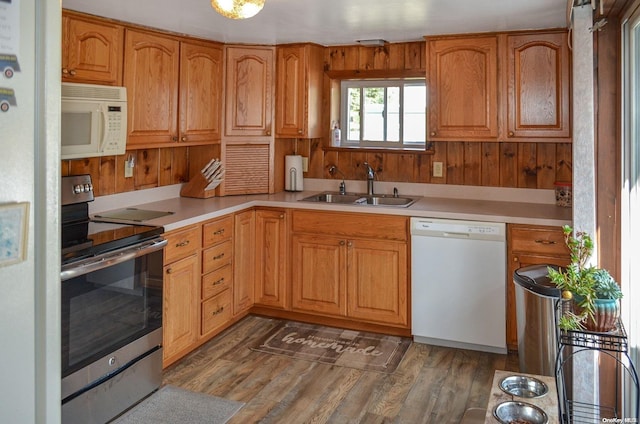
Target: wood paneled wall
524	165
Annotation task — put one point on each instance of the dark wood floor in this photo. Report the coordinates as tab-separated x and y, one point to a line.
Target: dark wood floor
431	385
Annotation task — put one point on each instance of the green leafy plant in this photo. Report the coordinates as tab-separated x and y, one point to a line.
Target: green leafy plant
581	282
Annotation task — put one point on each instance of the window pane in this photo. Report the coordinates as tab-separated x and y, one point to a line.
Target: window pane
373	118
353	124
415	104
393	114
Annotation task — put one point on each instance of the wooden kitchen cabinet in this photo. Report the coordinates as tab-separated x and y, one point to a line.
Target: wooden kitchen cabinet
538	103
271	258
243	261
299	70
530	245
351	265
463	88
217	275
91	50
181	293
250	85
173	90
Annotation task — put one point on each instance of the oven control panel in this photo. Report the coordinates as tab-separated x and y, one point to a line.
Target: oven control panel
76	189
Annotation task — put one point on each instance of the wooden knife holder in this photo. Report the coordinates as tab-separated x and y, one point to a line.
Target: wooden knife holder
196	188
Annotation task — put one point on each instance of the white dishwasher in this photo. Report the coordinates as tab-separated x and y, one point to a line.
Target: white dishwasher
458	276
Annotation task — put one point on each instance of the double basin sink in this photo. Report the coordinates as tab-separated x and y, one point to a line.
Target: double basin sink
360	199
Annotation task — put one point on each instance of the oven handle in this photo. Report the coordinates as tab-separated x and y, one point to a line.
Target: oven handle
111	259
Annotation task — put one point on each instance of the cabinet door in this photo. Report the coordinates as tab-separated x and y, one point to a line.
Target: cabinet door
151	66
200	92
538	86
319	274
377	288
271	258
249	91
463	88
299	90
180	326
243	261
91	51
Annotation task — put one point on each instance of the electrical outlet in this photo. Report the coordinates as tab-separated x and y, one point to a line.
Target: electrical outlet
437	169
129	164
305	164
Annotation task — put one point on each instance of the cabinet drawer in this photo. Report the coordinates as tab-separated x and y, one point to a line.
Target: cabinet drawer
216	256
351	225
216	231
543	240
216	281
181	244
216	311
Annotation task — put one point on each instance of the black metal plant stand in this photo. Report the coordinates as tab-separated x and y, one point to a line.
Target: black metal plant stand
573	344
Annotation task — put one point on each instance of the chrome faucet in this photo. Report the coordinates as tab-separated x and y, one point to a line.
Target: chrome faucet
370	176
332	170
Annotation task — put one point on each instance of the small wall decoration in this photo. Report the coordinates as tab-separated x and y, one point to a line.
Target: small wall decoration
14	218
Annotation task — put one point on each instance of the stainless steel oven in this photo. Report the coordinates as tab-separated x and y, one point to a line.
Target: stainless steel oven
111	279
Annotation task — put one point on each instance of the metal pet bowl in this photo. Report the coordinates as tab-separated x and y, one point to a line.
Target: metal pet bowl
523	386
513	412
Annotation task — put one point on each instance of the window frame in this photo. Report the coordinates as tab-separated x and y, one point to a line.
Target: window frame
346	84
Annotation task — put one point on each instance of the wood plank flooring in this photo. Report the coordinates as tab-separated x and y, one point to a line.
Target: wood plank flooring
431	385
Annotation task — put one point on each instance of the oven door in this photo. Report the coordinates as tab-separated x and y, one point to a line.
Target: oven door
111	314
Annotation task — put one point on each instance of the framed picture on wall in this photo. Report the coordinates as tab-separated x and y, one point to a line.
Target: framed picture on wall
14	218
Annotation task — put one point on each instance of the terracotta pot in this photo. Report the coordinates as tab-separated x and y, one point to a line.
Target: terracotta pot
606	314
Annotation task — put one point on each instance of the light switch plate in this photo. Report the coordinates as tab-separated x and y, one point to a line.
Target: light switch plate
437	169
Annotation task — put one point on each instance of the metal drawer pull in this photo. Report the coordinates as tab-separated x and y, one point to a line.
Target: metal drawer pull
218	311
545	242
219	232
220	256
182	244
218	282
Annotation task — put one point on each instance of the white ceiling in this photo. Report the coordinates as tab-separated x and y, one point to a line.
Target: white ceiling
333	22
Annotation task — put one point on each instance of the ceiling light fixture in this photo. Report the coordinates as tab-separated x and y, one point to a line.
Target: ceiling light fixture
237	9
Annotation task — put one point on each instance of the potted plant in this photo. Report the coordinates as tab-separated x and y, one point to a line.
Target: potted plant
594	291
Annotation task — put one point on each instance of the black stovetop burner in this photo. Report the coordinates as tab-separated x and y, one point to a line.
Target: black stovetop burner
83	237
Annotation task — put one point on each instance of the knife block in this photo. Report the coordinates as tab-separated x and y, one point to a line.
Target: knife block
196	188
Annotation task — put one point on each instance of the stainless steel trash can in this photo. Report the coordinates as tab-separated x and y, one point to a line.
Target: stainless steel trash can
537	314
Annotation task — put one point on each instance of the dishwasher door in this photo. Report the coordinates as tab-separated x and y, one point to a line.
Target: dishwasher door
458	277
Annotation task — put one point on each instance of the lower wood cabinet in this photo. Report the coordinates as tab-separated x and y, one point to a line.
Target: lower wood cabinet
530	245
350	265
181	294
243	261
271	250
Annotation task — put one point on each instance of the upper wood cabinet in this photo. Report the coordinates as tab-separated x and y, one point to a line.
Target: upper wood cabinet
538	86
504	87
91	50
201	68
173	90
151	69
463	88
250	85
299	70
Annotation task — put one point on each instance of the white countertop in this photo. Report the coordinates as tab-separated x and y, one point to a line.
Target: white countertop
187	211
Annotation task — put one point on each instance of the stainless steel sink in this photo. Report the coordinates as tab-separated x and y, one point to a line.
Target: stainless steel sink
360	199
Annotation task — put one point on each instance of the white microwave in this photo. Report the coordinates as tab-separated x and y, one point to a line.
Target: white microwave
93	121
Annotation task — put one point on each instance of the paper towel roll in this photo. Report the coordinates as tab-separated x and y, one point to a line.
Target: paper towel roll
293	179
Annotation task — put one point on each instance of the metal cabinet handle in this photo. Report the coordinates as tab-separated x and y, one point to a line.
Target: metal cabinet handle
72	72
220	256
65	71
342	242
218	282
433	133
515	259
547	242
169	270
511	134
282	216
182	244
183	138
218	232
218	311
174	138
300	131
350	244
